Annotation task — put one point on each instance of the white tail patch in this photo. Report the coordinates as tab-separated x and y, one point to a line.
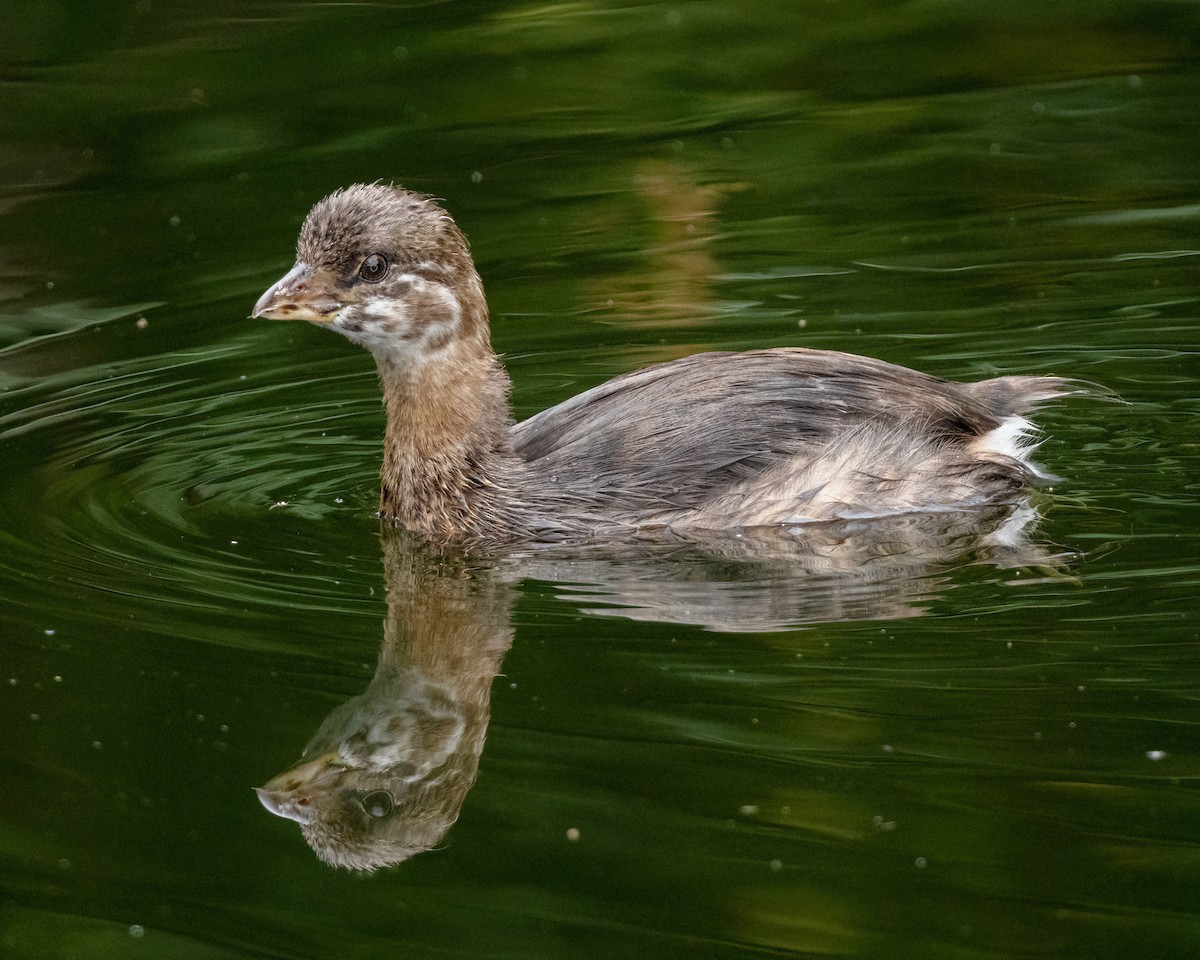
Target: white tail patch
1015	438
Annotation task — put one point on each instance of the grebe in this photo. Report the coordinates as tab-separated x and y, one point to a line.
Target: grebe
714	441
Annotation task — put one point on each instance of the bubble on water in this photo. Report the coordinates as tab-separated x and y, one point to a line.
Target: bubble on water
1156	754
476	176
920	863
776	865
748	809
573	834
174	221
137	931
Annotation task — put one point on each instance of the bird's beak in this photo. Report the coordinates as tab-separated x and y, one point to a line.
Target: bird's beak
300	294
290	794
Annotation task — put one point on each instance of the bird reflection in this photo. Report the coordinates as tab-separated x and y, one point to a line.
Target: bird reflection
386	774
781	577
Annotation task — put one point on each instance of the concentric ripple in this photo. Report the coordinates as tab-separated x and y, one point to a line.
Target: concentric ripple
203	477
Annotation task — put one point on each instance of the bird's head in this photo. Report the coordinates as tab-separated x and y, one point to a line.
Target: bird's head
388	269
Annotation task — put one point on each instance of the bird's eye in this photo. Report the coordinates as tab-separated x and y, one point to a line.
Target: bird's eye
378	804
374	268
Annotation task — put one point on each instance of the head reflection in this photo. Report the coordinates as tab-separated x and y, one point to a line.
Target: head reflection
385	775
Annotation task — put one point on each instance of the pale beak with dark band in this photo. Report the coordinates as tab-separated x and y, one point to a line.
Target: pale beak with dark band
298	295
292	793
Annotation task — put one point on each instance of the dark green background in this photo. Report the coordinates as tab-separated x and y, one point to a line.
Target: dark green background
969	188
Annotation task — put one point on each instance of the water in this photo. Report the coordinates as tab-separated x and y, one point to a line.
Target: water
913	745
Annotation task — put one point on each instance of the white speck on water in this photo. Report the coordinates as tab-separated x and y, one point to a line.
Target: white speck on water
97	745
174	221
920	863
748	809
888	748
1156	754
573	834
234	542
476	176
338	500
12	681
142	323
137	931
57	678
224	728
48	633
776	865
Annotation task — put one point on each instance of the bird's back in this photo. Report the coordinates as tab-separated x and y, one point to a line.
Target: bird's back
722	440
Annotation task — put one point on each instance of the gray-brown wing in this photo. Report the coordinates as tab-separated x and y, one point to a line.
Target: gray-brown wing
675	433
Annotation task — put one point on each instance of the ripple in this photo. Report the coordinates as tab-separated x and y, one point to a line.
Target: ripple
203	478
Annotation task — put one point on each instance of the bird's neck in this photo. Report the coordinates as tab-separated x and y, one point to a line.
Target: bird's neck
447	461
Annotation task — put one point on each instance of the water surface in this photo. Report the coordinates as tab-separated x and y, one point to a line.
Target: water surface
911	745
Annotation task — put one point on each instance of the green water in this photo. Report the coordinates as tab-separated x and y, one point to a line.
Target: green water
951	752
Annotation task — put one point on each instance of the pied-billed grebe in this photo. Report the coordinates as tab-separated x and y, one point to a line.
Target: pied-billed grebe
712	441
